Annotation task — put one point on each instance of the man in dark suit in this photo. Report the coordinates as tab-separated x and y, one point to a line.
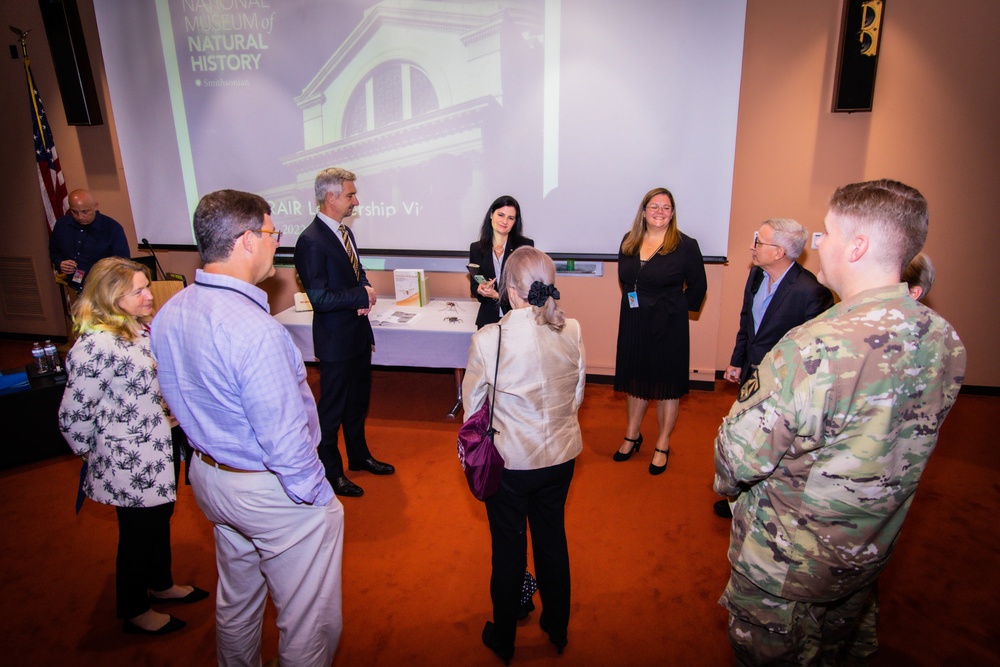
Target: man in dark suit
779	296
327	261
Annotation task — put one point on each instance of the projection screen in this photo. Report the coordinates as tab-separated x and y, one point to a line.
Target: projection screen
574	108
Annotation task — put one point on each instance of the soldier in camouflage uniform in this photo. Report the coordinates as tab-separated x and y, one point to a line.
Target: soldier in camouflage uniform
826	445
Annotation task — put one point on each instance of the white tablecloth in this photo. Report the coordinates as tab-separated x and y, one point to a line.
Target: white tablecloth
439	338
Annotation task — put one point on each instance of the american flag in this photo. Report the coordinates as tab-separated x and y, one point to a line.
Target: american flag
55	199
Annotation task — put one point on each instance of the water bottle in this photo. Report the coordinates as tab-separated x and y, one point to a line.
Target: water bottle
41	363
52	357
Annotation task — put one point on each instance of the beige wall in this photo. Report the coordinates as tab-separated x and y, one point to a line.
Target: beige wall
936	100
937	97
89	156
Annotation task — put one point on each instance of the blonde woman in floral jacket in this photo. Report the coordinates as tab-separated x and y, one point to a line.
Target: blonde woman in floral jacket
112	414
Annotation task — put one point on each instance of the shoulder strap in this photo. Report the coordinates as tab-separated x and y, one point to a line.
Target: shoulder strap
493	401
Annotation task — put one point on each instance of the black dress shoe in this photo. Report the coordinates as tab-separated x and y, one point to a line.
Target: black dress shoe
721	508
372	466
345	487
172	625
197	595
489	640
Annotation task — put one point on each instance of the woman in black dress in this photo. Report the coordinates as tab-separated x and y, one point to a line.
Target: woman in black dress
662	276
499	236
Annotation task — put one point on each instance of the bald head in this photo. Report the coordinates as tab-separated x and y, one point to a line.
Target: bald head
82	206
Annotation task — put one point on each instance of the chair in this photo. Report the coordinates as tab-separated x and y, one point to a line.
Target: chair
162	290
68	295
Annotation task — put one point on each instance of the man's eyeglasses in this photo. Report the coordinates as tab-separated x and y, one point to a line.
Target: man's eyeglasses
757	242
275	232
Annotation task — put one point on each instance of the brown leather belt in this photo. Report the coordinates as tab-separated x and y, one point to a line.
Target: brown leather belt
221	466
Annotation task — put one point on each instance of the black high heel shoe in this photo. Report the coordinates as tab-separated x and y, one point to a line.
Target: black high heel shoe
636	444
504	653
558	639
656	470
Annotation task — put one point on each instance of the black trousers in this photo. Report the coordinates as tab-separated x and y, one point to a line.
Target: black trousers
143	561
537	497
345	391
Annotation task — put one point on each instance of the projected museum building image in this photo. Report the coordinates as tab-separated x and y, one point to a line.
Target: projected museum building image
418	100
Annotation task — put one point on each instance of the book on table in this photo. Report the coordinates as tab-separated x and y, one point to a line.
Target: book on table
411	287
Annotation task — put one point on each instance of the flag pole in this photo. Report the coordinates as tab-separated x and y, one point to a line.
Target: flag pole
22	37
50	176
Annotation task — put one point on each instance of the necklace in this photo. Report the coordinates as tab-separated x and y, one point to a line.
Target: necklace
649	248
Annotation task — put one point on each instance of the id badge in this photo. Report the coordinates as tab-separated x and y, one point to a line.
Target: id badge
633	300
78	276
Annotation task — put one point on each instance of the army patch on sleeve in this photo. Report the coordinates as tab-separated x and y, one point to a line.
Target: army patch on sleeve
751	386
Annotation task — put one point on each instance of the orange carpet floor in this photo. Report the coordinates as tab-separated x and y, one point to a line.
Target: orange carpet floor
648	556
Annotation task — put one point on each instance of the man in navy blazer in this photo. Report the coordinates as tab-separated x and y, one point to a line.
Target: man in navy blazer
328	265
779	295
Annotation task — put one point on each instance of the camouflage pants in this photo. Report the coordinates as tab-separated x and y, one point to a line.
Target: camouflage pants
768	630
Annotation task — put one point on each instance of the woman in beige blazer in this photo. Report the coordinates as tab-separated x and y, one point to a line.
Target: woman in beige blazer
539	388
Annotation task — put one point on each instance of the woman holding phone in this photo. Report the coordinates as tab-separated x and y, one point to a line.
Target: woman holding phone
499	236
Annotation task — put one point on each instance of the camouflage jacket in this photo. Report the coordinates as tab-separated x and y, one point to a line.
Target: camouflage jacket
825	447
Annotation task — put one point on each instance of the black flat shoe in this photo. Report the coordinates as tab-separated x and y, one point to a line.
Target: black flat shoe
721	508
173	625
490	641
636	444
197	595
372	466
657	470
345	487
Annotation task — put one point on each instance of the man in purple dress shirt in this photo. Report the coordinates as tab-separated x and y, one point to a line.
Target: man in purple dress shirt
236	383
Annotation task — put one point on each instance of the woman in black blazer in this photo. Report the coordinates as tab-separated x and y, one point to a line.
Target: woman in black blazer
499	237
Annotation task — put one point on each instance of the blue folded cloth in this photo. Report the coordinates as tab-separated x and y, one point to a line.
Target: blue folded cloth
13	382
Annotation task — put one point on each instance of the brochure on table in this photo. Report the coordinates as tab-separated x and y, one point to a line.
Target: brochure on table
394	317
411	287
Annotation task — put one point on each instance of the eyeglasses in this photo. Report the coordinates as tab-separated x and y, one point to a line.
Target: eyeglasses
275	232
757	242
656	208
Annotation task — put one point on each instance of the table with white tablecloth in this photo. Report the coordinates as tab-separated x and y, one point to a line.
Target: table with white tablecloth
438	337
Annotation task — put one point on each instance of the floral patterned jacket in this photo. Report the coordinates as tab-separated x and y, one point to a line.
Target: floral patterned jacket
112	413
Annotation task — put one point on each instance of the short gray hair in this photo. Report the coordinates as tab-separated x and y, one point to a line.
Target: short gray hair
790	235
332	180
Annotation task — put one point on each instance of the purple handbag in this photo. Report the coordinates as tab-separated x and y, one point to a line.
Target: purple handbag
479	457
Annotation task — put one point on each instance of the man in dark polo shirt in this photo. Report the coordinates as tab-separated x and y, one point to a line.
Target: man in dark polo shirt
82	237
